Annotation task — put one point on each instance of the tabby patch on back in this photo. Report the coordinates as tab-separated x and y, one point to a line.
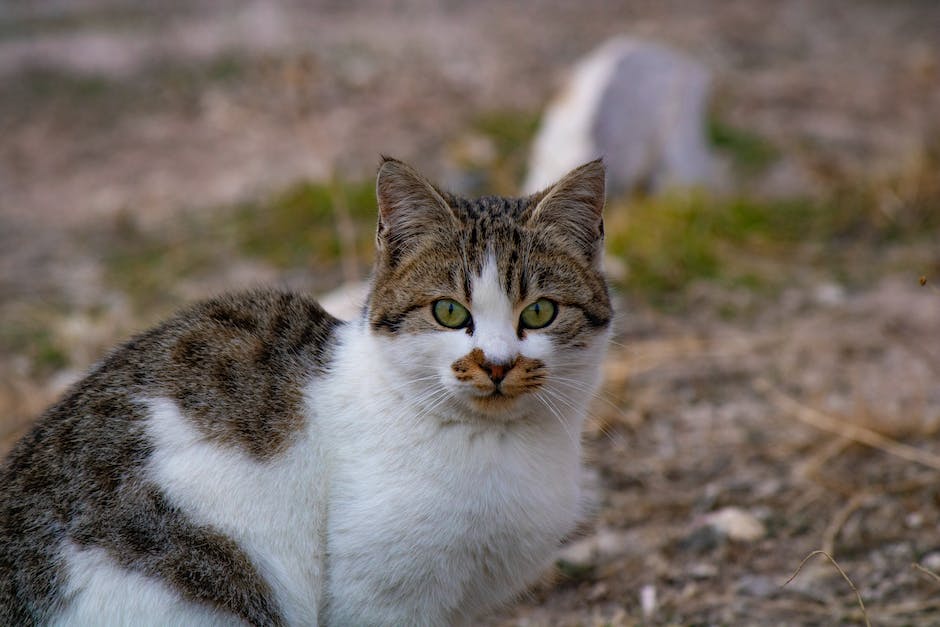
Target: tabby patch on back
255	460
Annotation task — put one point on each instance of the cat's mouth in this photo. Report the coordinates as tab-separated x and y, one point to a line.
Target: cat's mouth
495	401
498	395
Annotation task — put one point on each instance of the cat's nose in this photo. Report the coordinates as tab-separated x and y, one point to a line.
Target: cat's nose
496	371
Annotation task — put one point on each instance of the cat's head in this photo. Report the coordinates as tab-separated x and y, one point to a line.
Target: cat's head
491	308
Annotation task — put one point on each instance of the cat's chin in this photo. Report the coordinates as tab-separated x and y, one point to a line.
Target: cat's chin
495	408
496	402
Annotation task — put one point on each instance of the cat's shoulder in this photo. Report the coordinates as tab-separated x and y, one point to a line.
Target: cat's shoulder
228	341
236	365
255	327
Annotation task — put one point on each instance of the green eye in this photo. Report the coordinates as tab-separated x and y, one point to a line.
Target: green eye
450	313
537	315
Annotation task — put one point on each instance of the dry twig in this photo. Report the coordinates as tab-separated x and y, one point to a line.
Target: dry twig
810	468
856	433
927	572
838	521
858	596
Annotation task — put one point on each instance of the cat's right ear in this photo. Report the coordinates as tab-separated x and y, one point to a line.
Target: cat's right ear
410	210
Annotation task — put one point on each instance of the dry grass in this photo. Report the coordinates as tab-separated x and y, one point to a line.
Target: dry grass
861	603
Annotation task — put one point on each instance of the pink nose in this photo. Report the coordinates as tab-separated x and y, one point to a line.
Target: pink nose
497	372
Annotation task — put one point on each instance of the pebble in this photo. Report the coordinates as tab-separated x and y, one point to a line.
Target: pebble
736	524
759	586
914	520
931	561
601	545
579	552
829	294
648	600
701	570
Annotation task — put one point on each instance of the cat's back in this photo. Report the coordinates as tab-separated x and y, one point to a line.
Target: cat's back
82	481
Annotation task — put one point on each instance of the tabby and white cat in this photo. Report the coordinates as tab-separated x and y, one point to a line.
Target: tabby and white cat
254	460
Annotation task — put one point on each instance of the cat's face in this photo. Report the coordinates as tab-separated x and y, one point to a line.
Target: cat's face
493	308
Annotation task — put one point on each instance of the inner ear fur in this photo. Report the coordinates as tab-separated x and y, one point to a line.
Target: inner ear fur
571	210
410	209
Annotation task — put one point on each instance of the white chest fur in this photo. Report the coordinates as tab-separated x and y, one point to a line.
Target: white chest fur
431	522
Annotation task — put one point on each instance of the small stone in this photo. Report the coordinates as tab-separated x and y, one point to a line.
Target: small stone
702	570
829	294
581	551
648	600
600	546
759	586
931	561
610	543
736	524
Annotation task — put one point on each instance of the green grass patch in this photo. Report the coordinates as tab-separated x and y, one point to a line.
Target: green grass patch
668	243
148	266
750	153
665	243
32	338
302	225
312	227
48	84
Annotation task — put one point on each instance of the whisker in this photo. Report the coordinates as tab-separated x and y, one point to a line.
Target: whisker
425	400
405	384
588	414
439	397
576	363
557	415
582	387
561	397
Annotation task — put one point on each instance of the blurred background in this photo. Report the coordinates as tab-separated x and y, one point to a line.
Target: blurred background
772	235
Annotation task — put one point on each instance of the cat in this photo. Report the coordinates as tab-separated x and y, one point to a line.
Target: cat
255	460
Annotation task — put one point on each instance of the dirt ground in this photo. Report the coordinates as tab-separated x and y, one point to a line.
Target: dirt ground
724	448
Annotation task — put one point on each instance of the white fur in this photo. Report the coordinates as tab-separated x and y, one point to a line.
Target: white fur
399	504
99	592
273	510
495	320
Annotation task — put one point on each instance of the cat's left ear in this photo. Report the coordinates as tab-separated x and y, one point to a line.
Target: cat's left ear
572	210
